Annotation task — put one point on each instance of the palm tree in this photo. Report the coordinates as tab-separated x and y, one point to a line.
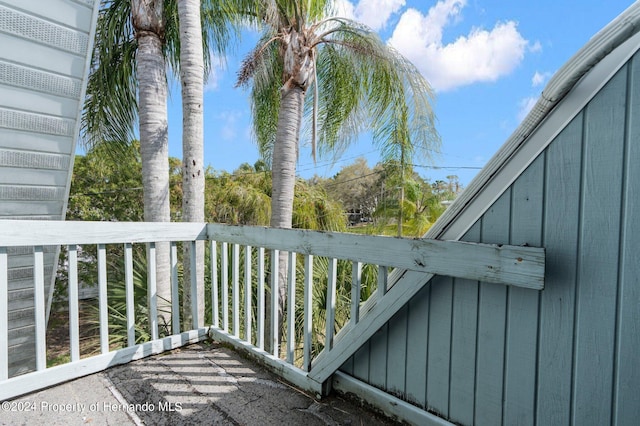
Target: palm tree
136	41
360	84
192	79
128	60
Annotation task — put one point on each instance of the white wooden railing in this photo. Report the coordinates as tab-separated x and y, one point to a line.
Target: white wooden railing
518	266
238	292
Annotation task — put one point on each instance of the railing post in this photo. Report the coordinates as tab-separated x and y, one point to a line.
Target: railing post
152	290
193	259
215	313
175	299
74	326
308	311
102	295
4	315
383	280
356	286
274	302
331	303
224	266
128	279
291	307
260	309
247	293
235	272
39	302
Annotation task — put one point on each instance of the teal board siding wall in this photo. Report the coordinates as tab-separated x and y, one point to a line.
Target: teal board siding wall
487	354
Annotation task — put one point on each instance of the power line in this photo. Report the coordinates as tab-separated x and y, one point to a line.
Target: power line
352	179
447	167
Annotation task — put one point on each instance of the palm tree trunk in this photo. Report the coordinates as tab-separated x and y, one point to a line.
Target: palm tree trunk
283	167
154	149
192	76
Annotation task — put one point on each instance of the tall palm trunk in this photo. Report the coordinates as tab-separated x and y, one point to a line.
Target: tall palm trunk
192	76
283	164
149	26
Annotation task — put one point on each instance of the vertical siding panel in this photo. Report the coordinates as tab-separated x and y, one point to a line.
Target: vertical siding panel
439	353
491	323
397	353
378	358
347	367
557	299
522	317
463	344
417	337
599	243
627	379
361	363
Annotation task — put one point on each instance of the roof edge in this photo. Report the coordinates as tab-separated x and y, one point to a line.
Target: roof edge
626	25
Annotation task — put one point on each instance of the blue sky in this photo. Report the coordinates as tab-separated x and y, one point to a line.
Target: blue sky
488	61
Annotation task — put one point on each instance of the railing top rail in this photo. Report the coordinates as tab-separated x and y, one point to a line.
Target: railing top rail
521	266
514	265
46	232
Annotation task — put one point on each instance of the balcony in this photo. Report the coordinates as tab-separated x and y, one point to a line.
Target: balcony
340	288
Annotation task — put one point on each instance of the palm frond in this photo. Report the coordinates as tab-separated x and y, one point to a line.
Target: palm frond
265	98
110	109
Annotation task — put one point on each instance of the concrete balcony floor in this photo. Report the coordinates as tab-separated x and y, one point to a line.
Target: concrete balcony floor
198	384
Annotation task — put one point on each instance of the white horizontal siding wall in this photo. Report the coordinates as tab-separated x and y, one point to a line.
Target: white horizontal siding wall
45	48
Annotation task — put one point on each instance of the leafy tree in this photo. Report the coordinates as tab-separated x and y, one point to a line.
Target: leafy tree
108	187
244	198
103	189
357	187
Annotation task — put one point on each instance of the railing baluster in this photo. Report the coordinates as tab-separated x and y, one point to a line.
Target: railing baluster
74	326
128	279
291	307
40	313
225	287
356	285
382	279
214	283
152	290
308	311
194	286
175	297
235	273
4	314
260	310
247	293
274	302
331	303
102	294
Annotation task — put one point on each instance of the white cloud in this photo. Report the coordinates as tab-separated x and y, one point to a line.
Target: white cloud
481	56
218	65
230	124
213	81
525	106
374	13
536	47
539	78
345	9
